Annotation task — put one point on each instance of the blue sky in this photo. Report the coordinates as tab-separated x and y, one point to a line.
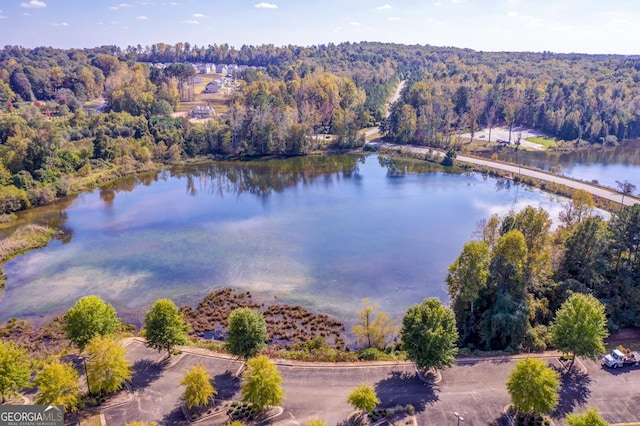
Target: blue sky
586	26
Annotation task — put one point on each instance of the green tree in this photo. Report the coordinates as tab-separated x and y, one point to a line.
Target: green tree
199	387
90	316
165	326
262	383
591	417
373	331
533	387
468	274
15	369
364	398
508	263
57	384
429	334
247	333
580	327
585	257
107	366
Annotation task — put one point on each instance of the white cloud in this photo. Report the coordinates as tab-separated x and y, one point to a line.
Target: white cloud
457	1
355	24
3	16
385	7
511	13
173	3
264	5
33	4
61	24
199	15
26	14
190	22
142	18
120	6
394	18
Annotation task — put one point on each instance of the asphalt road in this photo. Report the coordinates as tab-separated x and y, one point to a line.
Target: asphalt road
474	388
605	193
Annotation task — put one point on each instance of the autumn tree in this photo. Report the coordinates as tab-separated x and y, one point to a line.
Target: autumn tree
578	209
57	384
364	398
429	334
107	366
373	331
15	369
580	327
90	316
262	383
165	326
247	332
199	388
533	387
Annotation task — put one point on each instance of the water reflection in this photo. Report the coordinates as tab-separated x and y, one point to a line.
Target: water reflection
323	232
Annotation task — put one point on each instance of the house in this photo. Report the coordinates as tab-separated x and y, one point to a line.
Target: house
214	86
197	80
202	111
222	69
205	68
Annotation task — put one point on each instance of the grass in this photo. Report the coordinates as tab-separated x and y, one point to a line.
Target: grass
22	240
542	140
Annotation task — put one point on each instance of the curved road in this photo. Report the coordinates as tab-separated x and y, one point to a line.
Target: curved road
606	193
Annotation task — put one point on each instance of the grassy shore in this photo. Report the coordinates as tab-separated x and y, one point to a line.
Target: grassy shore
22	240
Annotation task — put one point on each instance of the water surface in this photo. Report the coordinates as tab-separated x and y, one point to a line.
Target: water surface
324	232
606	166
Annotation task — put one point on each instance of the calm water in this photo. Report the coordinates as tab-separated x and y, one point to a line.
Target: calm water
324	232
606	165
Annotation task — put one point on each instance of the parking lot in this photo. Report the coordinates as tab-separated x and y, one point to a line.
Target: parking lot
474	388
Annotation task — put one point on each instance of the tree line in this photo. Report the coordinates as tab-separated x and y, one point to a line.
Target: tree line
506	285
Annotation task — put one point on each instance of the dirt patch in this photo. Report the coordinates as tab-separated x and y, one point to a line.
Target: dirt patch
627	337
286	324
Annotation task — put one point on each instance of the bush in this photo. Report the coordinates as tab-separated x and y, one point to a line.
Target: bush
13	199
370	354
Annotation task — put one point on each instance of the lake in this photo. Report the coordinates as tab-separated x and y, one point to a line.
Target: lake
320	231
606	165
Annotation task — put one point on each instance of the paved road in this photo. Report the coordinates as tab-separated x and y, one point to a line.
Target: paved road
605	193
474	388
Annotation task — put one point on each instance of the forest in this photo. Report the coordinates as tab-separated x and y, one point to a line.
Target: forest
507	284
70	119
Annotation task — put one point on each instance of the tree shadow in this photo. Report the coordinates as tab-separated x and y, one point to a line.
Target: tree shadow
145	372
174	417
502	420
227	385
574	391
402	388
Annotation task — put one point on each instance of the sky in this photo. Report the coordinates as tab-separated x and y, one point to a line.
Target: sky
563	26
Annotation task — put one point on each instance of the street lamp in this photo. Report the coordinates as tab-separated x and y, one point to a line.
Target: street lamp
460	418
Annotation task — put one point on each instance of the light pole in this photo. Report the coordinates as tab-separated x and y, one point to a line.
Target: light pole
460	418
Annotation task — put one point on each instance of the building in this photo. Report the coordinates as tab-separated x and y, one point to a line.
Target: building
202	111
